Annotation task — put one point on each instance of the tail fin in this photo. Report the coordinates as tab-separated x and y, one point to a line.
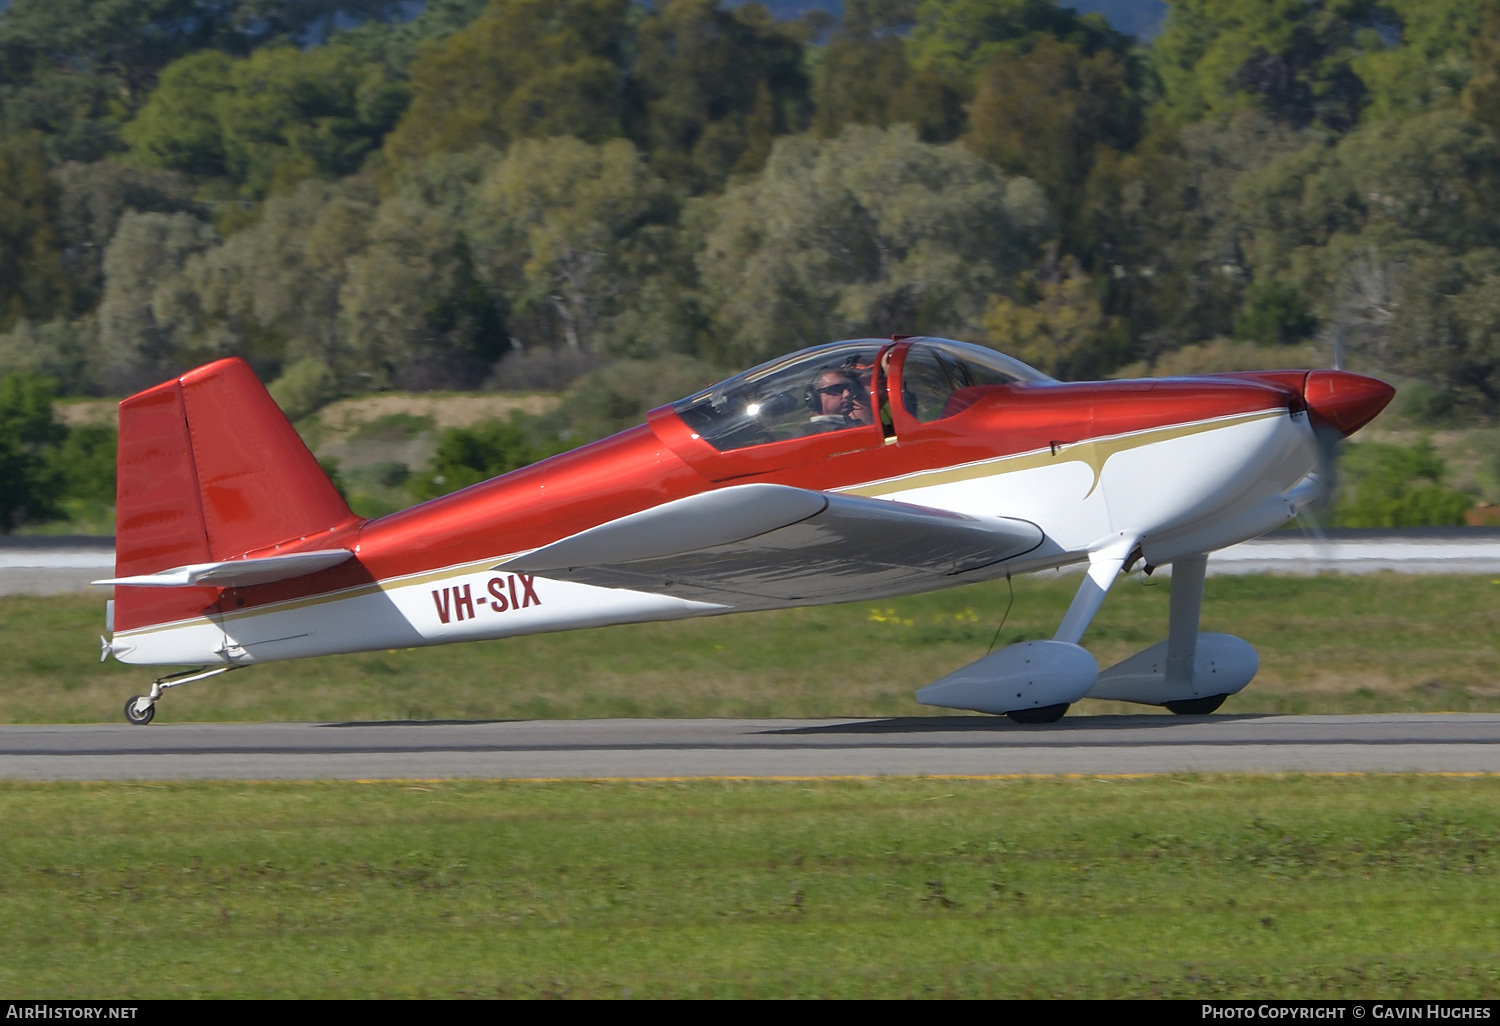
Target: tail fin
211	469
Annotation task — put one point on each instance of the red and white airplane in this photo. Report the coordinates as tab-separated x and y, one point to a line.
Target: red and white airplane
858	470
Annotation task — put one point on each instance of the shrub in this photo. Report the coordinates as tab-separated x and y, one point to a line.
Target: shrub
469	455
1396	486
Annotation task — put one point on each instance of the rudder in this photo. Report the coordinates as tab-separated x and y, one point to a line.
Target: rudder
211	469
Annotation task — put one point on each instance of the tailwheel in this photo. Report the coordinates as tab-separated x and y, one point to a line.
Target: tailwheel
1196	706
135	715
140	717
1046	714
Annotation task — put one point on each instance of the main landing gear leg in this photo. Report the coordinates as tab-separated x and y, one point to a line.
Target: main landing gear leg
1182	635
141	709
1104	566
1036	681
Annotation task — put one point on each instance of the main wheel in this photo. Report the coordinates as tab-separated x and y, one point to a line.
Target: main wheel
1197	706
1046	714
140	719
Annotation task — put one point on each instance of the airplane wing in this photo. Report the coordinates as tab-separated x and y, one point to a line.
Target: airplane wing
752	542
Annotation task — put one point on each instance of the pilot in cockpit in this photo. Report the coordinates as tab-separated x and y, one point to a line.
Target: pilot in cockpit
837	402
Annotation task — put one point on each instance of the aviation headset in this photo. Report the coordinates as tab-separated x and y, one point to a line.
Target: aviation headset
810	394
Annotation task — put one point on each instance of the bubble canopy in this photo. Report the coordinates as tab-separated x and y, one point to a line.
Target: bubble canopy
837	387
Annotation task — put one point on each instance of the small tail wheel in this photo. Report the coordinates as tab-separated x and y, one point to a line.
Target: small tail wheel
134	715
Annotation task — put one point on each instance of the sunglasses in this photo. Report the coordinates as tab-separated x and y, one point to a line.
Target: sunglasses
835	389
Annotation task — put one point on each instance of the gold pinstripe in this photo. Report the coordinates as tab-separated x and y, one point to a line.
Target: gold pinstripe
1095	452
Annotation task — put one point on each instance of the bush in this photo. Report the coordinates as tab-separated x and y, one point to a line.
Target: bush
1274	314
619	396
85	464
466	456
30	486
302	388
1396	486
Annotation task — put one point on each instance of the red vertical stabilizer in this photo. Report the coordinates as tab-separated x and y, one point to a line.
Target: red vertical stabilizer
211	469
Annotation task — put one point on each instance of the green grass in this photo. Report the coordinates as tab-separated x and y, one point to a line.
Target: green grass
1378	643
1357	886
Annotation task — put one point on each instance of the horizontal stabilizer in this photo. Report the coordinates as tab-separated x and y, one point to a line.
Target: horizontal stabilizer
758	544
238	573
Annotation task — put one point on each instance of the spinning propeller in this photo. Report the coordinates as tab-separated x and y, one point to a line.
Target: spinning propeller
1338	404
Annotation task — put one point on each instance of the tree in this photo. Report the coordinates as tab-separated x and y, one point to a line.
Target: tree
396	42
137	346
1044	114
1436	321
1160	233
863	77
76	69
268	120
859	79
179	127
713	87
524	69
33	282
1058	326
872	233
1275	313
1431	178
303	388
92	198
29	485
415	310
64	351
566	229
1295	60
1481	95
1416	310
1441	47
271	292
375	291
957	38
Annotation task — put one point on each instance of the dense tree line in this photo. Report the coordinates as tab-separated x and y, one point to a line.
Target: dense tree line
510	193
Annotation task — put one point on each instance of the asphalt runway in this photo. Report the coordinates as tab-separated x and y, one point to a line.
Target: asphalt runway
951	745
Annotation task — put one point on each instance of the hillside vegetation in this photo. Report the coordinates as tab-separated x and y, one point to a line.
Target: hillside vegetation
362	196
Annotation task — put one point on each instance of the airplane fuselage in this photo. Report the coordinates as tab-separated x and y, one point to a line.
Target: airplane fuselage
1180	466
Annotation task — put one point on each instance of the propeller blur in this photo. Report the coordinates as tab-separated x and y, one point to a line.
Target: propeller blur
858	470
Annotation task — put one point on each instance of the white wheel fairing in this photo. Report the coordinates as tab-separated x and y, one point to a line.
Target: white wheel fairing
1024	676
1222	665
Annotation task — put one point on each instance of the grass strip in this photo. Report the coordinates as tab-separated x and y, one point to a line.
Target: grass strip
1185	886
1376	643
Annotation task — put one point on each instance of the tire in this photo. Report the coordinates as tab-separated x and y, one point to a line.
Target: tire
140	719
1196	706
1046	714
